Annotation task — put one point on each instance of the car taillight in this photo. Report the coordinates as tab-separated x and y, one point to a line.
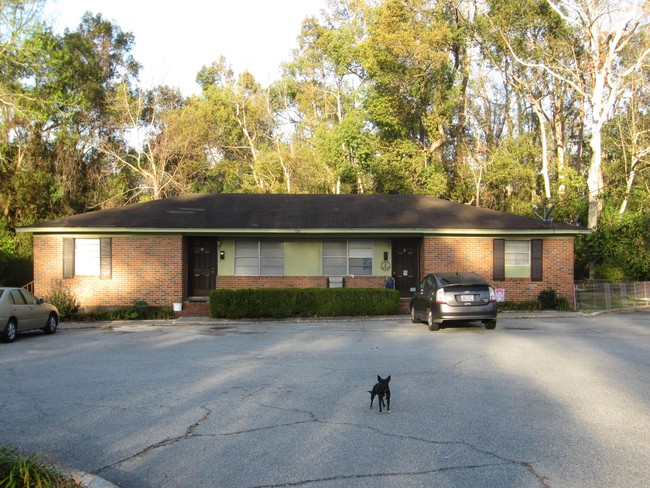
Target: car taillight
493	296
440	296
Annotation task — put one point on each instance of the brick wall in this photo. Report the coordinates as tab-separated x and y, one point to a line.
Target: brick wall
148	268
475	254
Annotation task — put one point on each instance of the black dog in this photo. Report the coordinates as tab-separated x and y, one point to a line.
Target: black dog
382	391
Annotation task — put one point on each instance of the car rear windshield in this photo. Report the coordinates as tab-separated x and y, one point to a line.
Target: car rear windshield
461	279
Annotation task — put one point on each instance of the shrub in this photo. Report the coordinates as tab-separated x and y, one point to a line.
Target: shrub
563	305
610	272
138	311
302	302
548	299
524	306
62	297
18	471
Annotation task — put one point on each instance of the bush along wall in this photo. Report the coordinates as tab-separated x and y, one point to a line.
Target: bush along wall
546	300
302	302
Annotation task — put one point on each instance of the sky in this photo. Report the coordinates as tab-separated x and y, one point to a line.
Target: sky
174	40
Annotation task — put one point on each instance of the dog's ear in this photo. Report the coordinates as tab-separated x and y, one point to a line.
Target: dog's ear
388	379
379	380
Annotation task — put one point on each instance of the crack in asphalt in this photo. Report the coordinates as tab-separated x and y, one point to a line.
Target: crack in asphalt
190	432
377	475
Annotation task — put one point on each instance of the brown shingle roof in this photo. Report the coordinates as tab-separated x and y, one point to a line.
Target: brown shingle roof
280	213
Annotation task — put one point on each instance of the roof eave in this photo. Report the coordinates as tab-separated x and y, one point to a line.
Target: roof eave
295	232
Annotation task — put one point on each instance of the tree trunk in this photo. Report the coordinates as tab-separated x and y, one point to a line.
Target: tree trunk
595	178
542	134
628	185
558	133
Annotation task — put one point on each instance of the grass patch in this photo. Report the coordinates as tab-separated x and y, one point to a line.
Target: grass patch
20	471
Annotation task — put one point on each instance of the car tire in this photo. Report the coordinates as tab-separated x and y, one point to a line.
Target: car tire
52	323
414	319
490	324
432	325
9	334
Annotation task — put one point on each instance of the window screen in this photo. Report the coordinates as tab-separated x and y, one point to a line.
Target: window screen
271	258
259	258
517	253
347	257
360	257
335	258
517	259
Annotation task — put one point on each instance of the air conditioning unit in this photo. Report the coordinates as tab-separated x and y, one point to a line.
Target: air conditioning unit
335	282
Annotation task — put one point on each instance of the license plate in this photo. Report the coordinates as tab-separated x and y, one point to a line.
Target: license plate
467	298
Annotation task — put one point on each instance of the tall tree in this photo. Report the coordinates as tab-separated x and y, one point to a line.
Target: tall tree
535	32
327	79
170	139
406	57
606	29
626	143
246	142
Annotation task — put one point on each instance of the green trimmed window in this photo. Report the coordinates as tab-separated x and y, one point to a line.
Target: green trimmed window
343	257
259	257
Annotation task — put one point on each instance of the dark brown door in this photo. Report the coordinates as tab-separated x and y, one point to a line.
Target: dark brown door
202	266
406	263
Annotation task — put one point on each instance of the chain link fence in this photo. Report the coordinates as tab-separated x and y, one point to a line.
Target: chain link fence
593	295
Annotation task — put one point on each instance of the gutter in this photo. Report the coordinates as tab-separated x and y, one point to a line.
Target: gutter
415	232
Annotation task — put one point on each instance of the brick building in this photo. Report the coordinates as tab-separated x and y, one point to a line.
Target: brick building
178	249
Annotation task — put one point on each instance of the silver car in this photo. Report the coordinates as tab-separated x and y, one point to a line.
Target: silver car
443	297
21	311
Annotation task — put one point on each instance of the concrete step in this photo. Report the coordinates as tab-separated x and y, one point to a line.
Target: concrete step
194	309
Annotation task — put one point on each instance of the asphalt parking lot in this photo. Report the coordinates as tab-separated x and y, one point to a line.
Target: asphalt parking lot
548	401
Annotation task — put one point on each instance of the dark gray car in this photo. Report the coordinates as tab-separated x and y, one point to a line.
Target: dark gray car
446	297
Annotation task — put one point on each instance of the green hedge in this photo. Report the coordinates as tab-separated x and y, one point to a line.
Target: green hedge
302	302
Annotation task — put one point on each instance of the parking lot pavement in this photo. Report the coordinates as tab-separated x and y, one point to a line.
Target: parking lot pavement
548	401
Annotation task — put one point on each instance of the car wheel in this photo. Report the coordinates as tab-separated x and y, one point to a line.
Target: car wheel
490	324
432	325
52	323
414	319
9	334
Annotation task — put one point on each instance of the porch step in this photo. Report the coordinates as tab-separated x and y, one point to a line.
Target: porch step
194	309
404	305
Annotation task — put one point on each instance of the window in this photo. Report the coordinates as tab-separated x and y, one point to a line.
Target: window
347	257
87	257
517	253
335	258
259	257
17	298
518	259
29	298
